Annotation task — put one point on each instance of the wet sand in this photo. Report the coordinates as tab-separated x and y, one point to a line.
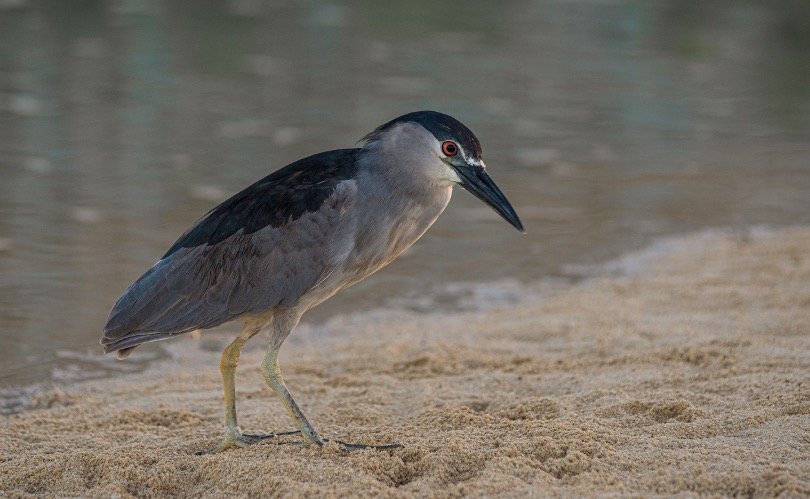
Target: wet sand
683	368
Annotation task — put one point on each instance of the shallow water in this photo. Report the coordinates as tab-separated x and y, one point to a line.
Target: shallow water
606	123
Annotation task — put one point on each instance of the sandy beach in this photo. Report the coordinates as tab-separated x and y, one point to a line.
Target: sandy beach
682	368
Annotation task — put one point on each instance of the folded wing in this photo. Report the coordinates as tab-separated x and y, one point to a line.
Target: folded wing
263	248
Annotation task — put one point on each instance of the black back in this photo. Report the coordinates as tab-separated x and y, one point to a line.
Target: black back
275	200
442	126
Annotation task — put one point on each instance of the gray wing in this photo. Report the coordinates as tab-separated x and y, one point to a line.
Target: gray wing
245	274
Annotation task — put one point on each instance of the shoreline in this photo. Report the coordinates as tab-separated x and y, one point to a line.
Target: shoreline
678	368
71	366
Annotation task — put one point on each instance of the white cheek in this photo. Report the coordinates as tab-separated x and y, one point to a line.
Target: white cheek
450	173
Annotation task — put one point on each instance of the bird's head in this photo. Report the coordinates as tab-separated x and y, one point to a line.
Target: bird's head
443	151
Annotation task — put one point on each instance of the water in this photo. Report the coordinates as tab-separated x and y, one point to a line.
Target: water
607	123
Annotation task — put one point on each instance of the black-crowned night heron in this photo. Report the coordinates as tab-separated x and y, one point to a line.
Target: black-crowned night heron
298	236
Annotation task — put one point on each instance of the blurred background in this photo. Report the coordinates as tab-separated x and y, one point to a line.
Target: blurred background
607	123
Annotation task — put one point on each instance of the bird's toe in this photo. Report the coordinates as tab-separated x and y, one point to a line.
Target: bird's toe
350	446
232	440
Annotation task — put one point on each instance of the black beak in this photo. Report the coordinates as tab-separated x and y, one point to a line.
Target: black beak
476	181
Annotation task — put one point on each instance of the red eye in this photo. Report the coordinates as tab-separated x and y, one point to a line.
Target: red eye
449	148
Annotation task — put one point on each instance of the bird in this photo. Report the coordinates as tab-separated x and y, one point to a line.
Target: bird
295	238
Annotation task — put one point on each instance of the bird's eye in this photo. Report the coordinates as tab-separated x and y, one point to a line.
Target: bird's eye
449	148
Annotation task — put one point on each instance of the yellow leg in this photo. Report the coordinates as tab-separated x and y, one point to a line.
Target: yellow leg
227	366
283	324
272	375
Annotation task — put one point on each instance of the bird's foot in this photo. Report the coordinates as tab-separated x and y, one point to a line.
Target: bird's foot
239	439
349	446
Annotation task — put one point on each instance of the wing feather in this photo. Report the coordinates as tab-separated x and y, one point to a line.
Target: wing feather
198	286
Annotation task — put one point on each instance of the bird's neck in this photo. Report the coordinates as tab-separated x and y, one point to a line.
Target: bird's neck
394	216
405	175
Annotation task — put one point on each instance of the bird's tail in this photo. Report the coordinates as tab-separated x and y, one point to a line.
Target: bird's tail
154	308
124	345
134	319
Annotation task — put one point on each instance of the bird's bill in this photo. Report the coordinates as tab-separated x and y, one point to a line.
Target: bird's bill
476	181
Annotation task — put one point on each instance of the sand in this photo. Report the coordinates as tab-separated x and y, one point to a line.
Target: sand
683	368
